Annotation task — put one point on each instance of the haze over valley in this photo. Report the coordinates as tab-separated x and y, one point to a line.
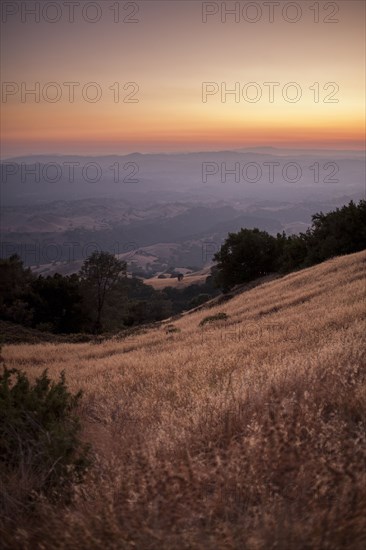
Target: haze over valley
159	211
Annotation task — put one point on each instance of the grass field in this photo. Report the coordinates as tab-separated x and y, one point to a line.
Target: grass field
198	278
247	433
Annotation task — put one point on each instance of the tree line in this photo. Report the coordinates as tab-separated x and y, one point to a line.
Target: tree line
252	253
101	298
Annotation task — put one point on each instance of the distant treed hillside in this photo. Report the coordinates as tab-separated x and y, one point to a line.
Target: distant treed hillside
67	232
52	209
72	303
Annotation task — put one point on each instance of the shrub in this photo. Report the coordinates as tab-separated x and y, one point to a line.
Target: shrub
171	328
221	316
80	338
199	300
39	435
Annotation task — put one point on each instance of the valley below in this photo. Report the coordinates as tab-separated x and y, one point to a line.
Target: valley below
53	218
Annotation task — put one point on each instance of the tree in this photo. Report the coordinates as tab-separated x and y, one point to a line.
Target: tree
100	273
293	253
342	231
57	303
244	256
252	253
15	288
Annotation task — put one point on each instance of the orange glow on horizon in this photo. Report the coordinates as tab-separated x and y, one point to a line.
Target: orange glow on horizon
170	114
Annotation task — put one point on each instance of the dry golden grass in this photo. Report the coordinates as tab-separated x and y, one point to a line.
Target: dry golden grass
190	279
243	434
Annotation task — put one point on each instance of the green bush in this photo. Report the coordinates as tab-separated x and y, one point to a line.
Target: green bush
221	316
39	433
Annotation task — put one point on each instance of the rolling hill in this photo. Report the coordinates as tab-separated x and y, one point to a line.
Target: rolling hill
247	432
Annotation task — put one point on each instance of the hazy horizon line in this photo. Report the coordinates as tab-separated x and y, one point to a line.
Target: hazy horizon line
186	152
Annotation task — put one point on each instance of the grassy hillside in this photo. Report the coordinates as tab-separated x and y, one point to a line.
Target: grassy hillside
244	433
197	278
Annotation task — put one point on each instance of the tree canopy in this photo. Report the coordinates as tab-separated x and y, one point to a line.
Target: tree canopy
244	256
100	273
252	253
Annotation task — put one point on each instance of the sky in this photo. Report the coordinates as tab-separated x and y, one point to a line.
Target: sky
115	77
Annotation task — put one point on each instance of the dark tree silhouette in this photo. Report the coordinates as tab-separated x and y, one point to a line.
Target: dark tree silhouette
245	256
100	273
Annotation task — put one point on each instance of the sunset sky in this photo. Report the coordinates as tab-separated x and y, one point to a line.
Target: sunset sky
169	53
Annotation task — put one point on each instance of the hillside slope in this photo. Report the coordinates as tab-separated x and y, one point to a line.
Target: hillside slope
244	433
